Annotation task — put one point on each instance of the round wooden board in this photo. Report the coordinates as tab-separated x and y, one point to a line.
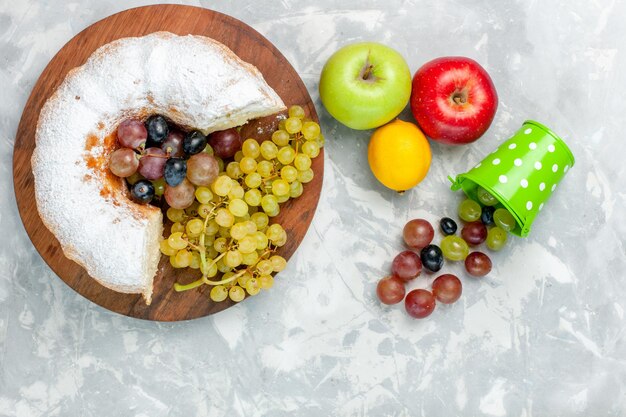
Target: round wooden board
249	45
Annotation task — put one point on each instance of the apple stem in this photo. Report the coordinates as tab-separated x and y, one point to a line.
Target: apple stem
367	72
459	98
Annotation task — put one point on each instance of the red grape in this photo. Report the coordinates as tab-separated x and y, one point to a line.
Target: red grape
202	169
225	143
123	162
419	303
418	233
181	196
478	264
132	134
390	290
447	288
152	167
174	144
474	233
406	265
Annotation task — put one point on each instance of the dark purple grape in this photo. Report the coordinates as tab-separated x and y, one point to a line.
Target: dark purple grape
477	264
194	142
474	233
225	143
175	171
152	163
157	130
432	258
448	226
486	216
406	265
173	144
132	134
142	191
419	303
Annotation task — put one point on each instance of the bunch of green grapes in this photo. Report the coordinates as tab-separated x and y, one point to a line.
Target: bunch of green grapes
227	229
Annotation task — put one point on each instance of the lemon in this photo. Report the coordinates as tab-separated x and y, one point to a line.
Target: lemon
399	155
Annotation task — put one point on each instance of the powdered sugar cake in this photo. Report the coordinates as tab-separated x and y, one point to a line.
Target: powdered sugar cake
193	80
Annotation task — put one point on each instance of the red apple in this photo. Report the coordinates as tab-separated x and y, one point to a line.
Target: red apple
453	100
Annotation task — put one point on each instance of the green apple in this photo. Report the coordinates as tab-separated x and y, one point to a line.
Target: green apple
365	85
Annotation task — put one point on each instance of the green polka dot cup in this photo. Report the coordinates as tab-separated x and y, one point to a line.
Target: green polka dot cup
522	173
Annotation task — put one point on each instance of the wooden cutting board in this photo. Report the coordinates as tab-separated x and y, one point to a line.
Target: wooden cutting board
249	45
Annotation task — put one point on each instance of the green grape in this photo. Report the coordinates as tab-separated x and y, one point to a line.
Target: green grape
253	287
238	207
211	253
302	162
265	168
137	176
260	219
208	149
244	218
238	231
204	210
469	210
281	124
212	228
159	186
253	180
253	197
192	210
280	187
249	258
274	232
224	232
293	125
454	248
310	130
177	227
174	262
210	270
504	219
266	282
195	260
218	293
296	111
238	156
220	163
261	240
183	258
320	140
250	226
251	148
496	238
247	164
289	173
233	258
264	267
282	239
305	176
285	155
220	244
224	217
222	267
269	203
485	197
233	170
247	244
236	293
245	277
310	148
176	241
194	227
176	215
295	189
236	192
167	250
282	198
275	212
280	137
278	263
222	185
203	195
269	150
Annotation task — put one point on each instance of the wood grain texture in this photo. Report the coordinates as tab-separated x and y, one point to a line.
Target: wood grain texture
249	45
